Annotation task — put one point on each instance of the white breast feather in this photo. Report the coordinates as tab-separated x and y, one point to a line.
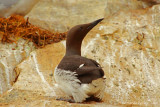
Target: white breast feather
70	84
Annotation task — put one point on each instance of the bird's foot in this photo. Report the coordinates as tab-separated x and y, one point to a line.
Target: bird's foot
68	100
71	100
92	98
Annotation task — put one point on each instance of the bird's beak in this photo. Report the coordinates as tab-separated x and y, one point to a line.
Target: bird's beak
94	23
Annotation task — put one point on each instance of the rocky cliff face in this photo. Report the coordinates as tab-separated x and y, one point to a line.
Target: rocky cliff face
126	44
21	7
10	56
62	15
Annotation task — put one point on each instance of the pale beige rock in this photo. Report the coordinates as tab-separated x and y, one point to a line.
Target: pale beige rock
21	98
128	50
126	44
35	85
152	1
116	6
10	56
56	15
36	71
21	7
61	15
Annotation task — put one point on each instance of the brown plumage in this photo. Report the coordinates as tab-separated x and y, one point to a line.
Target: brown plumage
78	76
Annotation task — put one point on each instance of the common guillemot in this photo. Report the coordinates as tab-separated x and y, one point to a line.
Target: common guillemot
77	76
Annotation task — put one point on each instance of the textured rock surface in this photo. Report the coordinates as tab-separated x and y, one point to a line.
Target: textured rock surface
126	44
61	15
114	6
54	13
10	56
35	85
128	49
36	71
152	1
22	7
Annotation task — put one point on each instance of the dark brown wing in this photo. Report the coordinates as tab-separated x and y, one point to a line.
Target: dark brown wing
86	69
98	65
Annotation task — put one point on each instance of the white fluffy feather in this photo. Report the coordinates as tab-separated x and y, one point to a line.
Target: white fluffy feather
69	83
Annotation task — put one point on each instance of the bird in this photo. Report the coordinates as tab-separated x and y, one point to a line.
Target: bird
77	76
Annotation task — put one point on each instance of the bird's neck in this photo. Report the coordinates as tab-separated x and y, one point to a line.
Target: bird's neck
73	48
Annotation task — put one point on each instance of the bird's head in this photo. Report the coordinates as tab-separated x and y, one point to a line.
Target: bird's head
77	33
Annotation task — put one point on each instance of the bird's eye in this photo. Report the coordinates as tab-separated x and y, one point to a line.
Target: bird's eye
81	27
